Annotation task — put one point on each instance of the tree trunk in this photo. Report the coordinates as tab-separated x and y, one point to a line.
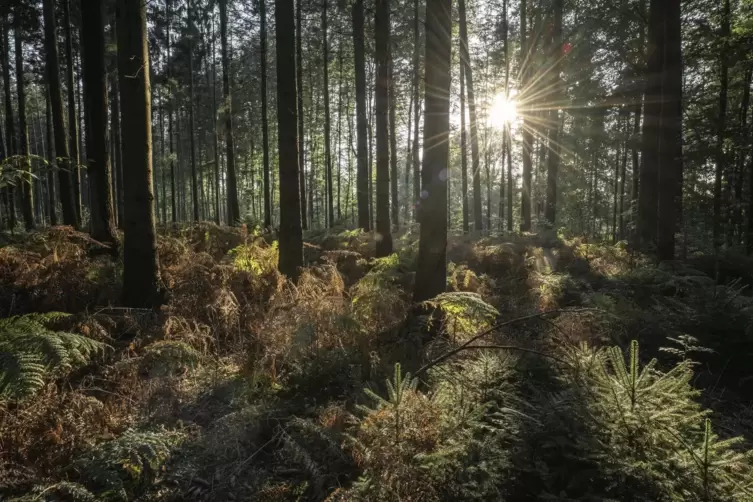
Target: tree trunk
670	148
382	89
721	126
416	109
291	238
475	161
141	277
72	120
9	192
737	217
233	209
299	82
51	200
395	200
431	274
463	152
327	147
24	162
191	138
552	165
362	169
525	196
117	154
70	217
95	102
215	135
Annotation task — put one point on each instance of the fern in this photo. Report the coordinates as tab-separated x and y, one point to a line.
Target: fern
127	466
464	313
169	357
31	353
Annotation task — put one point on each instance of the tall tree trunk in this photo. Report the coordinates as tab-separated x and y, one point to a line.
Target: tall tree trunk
215	136
117	153
339	124
382	90
721	125
737	217
142	284
264	121
395	201
552	165
233	209
416	109
475	161
70	217
299	82
525	61
362	170
408	163
623	175
51	200
72	121
670	148
95	102
291	238
463	152
191	133
432	249
9	192
24	163
327	145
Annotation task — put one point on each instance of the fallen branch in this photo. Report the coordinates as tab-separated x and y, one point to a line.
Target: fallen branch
467	344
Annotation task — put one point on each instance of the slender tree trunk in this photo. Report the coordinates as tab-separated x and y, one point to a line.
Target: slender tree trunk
670	149
299	82
291	238
552	165
264	122
416	110
475	165
70	216
395	201
10	129
740	168
721	125
327	145
191	133
408	163
118	145
51	200
215	136
72	121
431	274
24	164
623	176
233	209
463	152
382	92
525	62
95	102
141	277
339	124
362	170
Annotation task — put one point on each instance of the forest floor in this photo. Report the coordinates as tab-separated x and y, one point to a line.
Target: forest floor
552	369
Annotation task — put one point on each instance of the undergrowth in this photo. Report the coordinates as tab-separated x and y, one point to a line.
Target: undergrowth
247	386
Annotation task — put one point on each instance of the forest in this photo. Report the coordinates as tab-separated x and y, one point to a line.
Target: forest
376	250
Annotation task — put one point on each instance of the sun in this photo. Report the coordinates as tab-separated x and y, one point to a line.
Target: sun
503	111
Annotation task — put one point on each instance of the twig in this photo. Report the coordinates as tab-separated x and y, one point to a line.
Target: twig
494	328
520	349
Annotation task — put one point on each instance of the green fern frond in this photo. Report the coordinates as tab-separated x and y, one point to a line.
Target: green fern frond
31	353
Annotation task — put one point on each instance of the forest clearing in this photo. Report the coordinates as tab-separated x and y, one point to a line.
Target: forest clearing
376	250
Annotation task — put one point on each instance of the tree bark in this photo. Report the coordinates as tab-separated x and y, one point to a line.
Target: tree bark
525	196
431	274
416	109
362	169
670	148
191	132
9	192
264	121
382	89
395	200
72	120
24	161
142	285
721	126
70	217
475	161
95	102
51	200
463	152
291	238
233	209
327	146
552	165
299	82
